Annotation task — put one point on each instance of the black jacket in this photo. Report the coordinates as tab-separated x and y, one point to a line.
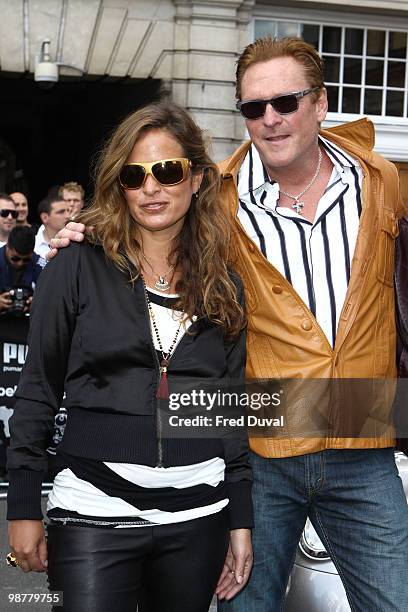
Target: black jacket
90	335
401	296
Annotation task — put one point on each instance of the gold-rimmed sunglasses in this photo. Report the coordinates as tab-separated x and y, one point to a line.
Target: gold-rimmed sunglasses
165	171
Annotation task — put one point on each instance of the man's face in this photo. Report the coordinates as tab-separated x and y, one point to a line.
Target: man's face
16	260
283	141
58	216
21	206
7	223
73	200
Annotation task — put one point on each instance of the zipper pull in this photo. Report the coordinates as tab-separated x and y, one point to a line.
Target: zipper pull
163	388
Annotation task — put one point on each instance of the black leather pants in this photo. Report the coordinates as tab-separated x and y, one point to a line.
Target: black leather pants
103	570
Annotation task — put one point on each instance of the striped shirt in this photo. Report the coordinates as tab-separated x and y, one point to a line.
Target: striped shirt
106	494
315	257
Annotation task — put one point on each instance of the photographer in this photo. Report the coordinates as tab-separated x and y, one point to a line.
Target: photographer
19	271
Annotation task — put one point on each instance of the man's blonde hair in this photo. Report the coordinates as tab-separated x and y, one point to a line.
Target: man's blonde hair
72	186
267	48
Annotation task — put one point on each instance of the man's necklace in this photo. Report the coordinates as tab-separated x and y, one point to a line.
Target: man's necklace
297	205
162	284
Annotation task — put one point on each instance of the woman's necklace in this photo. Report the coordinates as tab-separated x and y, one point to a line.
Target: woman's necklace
299	205
163	389
162	284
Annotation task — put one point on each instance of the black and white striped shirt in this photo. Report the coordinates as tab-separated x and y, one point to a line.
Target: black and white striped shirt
315	257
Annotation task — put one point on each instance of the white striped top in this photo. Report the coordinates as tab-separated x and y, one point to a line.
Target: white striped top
315	257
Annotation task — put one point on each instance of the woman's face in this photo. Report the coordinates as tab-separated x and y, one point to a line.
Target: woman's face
156	207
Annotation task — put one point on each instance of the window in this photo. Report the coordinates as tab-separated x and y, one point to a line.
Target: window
365	68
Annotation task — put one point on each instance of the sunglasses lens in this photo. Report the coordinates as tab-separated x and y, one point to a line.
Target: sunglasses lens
132	177
7	212
285	104
253	110
168	172
282	105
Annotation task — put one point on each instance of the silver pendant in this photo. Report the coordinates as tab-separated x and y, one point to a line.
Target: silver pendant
298	206
162	284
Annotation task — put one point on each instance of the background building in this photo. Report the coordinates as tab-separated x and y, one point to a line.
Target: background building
128	52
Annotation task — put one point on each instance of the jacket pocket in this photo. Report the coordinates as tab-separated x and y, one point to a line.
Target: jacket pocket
386	249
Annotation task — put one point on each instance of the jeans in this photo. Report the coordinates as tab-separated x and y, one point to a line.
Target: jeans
164	568
356	503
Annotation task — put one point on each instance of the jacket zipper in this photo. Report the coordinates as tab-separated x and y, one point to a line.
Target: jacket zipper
159	462
158	418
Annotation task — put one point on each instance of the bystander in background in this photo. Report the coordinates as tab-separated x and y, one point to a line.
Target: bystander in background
54	212
8	217
73	194
21	202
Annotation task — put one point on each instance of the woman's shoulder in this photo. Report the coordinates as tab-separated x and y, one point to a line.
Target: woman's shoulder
78	250
70	259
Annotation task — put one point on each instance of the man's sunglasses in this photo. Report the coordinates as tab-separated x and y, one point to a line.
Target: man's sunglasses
284	105
165	171
17	258
5	212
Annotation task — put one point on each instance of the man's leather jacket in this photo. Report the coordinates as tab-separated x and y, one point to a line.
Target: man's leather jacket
285	340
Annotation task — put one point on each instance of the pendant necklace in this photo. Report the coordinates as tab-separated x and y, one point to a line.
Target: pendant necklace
162	284
163	389
297	205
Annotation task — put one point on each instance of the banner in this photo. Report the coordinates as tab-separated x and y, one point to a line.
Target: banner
13	351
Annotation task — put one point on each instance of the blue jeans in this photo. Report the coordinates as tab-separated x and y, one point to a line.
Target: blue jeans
356	503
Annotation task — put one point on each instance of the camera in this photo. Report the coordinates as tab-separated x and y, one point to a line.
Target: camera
19	296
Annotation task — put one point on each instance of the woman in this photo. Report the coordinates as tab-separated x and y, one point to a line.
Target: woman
148	295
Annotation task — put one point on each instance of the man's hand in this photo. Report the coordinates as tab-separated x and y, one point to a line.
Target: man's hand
28	544
72	231
237	566
5	301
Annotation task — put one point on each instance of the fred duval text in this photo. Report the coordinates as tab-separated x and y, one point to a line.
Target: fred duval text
222	421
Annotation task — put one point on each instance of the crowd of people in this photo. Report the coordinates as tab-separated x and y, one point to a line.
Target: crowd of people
23	249
23	244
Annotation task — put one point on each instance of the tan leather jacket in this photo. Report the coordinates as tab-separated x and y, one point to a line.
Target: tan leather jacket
284	338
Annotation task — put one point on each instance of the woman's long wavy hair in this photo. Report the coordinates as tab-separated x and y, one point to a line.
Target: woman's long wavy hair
201	248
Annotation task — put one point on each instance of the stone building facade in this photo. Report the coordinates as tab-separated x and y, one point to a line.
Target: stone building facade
192	46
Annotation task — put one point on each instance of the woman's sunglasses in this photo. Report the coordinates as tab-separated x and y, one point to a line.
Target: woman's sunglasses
165	171
5	212
284	105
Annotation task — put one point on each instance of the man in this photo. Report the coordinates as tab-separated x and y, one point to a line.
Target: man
21	203
314	218
54	213
19	266
8	217
73	194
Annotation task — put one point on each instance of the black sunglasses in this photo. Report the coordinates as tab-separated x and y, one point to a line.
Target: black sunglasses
284	105
5	212
17	258
164	171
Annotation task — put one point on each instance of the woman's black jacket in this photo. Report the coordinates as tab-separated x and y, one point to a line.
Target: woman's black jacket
90	336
